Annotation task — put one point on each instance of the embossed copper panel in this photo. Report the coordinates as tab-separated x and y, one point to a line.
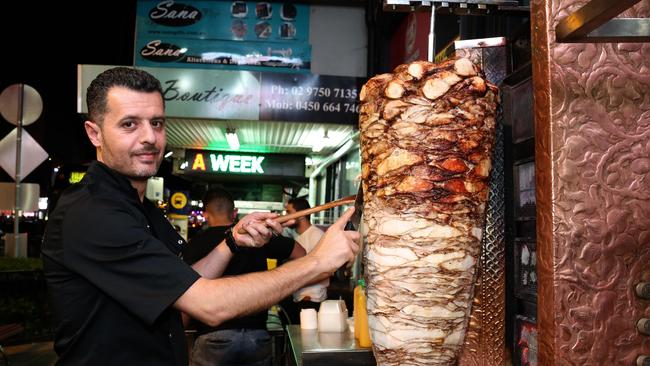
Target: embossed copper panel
592	123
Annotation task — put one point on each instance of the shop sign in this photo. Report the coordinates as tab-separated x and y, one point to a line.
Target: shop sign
311	97
216	162
248	35
76	177
229	163
178	203
248	95
197	93
218	54
169	13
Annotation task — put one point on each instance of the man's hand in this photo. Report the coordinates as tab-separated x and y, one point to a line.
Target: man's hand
255	229
337	246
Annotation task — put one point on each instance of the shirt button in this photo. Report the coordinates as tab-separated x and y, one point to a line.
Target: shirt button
180	242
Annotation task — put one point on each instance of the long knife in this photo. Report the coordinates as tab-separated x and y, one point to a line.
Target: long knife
343	201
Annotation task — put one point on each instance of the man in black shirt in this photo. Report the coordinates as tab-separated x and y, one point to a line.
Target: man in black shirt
111	259
241	341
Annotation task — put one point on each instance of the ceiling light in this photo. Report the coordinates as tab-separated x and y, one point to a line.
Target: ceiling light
231	137
320	143
169	153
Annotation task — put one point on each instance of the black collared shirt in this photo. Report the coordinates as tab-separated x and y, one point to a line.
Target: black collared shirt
247	260
113	273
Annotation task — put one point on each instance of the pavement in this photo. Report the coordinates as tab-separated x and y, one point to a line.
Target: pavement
31	354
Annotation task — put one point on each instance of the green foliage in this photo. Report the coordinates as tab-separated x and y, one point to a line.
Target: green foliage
20	264
24	299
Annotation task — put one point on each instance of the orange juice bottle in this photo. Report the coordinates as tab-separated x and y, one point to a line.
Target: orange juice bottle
364	330
358	289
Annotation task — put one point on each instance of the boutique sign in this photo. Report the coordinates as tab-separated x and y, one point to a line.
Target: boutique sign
217	94
229	163
247	95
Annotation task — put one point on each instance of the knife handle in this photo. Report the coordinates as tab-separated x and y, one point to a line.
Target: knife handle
284	218
343	201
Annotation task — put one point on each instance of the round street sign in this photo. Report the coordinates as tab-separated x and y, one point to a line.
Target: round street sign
10	104
178	200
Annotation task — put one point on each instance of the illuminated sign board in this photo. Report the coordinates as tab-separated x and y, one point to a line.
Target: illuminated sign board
76	177
228	163
235	163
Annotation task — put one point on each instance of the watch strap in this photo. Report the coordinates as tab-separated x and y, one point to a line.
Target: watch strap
231	243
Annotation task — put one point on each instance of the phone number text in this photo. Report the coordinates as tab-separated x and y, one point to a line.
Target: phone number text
318	92
314	106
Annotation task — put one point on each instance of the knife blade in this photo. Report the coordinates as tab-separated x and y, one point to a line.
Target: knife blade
358	208
355	225
355	220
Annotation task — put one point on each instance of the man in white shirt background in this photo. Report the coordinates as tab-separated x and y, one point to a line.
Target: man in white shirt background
311	296
308	234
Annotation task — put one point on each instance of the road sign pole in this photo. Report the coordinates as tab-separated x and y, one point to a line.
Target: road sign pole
17	210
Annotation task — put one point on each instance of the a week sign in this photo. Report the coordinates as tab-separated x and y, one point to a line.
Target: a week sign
213	162
228	163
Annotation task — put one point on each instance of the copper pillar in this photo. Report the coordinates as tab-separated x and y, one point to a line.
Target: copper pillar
592	135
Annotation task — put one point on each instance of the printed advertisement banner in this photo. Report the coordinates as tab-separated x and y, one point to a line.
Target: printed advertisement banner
248	95
238	28
310	97
197	93
254	56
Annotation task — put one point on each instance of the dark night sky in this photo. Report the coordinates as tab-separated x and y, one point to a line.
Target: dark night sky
42	43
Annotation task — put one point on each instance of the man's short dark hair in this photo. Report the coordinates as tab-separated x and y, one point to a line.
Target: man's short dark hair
219	200
299	204
126	77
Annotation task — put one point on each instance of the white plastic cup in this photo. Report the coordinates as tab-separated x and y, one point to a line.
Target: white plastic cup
308	319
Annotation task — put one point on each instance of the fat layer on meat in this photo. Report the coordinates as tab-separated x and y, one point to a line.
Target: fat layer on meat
427	132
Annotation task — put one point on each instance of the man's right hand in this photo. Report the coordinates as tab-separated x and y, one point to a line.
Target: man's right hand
255	229
337	246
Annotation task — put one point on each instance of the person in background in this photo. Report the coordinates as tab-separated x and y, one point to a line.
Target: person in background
111	258
308	234
241	341
311	296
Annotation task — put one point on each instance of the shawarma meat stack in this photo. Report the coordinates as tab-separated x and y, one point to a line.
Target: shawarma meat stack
427	132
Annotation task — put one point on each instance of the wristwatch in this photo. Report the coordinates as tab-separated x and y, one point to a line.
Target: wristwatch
231	243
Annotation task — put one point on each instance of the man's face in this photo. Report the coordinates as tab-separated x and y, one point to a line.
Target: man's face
291	210
131	139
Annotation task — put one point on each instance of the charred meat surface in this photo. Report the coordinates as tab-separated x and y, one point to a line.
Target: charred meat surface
427	132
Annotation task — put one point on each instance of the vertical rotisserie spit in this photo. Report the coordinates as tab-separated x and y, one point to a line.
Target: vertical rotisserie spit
427	132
